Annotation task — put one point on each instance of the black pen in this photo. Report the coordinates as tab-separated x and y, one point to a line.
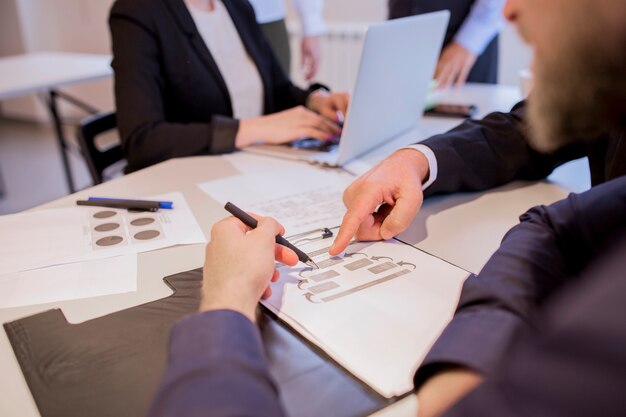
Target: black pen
251	222
142	205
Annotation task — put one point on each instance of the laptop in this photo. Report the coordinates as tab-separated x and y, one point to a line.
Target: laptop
395	73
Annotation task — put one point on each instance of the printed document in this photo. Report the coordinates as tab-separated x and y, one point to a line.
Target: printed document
376	309
302	199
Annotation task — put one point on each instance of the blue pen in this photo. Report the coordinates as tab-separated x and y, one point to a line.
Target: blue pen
162	204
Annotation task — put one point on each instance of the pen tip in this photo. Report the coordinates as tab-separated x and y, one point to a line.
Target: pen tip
312	264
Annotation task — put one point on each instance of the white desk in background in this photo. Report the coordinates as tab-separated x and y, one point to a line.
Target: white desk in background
46	72
184	174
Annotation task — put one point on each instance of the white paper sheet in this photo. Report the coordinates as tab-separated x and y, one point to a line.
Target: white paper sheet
69	282
376	310
253	163
301	199
75	234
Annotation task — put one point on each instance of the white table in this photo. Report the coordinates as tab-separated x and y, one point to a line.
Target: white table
437	229
46	72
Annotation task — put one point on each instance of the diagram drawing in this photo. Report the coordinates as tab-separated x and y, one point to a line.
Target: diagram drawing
339	277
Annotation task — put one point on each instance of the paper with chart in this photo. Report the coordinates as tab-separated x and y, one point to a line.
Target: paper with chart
376	309
59	236
301	199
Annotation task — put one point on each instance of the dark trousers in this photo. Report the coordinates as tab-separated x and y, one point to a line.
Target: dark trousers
278	38
485	69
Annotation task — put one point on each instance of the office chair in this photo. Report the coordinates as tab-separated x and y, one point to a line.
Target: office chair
103	163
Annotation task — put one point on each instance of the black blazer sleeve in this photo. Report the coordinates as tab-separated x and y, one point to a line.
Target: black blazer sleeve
481	154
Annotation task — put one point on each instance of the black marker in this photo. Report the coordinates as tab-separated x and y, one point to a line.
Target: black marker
140	205
251	222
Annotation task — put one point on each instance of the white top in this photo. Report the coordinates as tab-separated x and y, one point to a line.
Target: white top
239	71
311	13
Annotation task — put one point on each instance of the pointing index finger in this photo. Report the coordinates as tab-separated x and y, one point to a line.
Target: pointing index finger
351	221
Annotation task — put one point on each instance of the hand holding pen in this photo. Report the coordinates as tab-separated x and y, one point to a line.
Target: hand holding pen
240	263
252	223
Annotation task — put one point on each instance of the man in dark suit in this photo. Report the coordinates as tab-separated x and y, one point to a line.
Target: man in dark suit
539	331
470	49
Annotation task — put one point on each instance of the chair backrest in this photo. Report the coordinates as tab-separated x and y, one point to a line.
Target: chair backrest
98	160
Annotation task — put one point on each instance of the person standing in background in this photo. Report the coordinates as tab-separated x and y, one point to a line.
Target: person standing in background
470	51
270	14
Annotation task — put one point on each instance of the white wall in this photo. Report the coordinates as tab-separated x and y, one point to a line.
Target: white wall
57	25
11	39
515	55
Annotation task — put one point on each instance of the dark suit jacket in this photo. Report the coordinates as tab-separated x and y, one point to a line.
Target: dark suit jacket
171	98
485	70
544	318
482	154
550	277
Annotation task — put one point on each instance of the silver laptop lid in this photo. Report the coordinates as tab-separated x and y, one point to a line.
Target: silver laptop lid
396	69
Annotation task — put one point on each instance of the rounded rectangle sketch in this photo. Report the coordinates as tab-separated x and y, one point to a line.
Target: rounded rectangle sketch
361	263
382	267
329	262
324	276
327	286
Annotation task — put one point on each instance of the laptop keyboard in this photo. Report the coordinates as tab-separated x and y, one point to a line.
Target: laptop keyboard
312	144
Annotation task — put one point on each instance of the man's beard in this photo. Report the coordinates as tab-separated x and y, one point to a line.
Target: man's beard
579	95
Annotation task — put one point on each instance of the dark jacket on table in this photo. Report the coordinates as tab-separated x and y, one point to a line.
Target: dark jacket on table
558	282
170	96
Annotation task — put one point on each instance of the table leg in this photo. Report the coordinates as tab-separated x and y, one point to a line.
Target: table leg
61	142
2	189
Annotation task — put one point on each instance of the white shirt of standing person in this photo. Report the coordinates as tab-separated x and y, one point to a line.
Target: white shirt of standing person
310	12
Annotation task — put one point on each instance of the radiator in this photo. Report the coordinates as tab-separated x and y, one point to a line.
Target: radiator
341	47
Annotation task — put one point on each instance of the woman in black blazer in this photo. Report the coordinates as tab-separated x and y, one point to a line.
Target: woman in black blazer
172	100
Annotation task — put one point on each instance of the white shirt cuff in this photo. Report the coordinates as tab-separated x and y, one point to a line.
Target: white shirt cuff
311	13
432	163
313	25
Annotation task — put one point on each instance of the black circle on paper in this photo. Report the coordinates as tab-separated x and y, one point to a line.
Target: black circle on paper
104	214
147	234
109	241
106	227
142	221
